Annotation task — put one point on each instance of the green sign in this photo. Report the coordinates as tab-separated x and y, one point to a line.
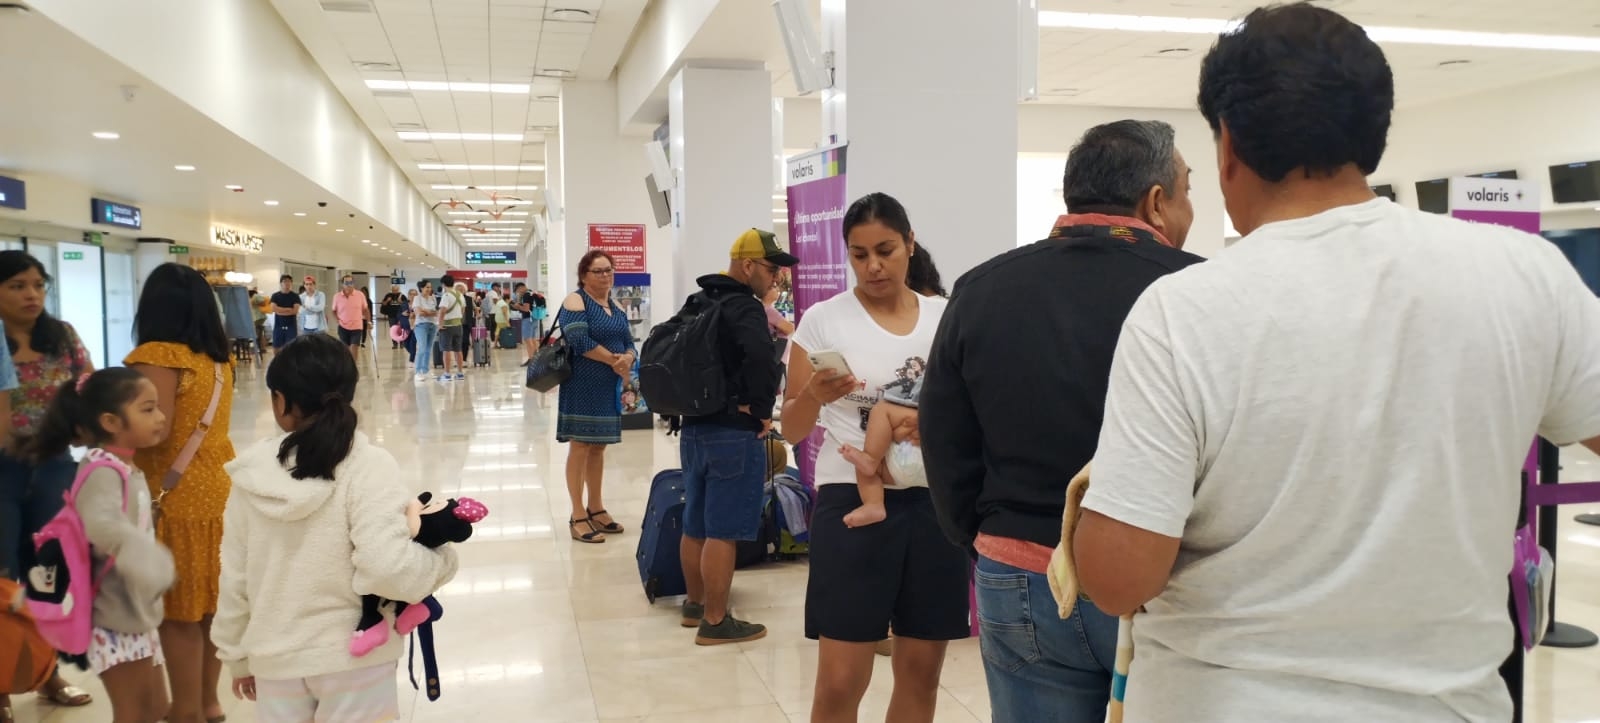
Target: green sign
93	238
175	249
71	255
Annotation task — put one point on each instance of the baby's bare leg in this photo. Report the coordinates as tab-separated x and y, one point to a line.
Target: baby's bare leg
871	474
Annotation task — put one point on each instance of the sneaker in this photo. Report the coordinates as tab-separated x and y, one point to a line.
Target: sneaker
692	614
460	377
730	630
420	378
444	377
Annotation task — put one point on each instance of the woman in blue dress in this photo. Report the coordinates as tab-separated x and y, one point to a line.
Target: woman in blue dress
601	342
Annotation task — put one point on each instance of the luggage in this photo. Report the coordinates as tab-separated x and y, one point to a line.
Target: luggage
26	660
787	544
479	332
480	350
680	366
438	355
660	570
511	336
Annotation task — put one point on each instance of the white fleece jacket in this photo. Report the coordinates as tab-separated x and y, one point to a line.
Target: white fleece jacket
297	555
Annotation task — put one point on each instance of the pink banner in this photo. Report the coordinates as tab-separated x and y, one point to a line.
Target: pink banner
816	237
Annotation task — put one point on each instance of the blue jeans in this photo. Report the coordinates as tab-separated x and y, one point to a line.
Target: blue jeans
724	480
29	496
424	335
1040	667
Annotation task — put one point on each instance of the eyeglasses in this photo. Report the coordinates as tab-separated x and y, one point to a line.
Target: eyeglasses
602	272
770	267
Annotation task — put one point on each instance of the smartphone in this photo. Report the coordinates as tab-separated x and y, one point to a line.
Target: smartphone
830	361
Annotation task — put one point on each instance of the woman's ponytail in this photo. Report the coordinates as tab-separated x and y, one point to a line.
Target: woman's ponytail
317	379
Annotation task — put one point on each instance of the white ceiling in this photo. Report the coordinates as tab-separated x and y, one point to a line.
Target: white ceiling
1128	69
54	113
534	42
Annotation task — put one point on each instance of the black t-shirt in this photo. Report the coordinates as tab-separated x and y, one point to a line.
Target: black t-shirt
285	300
528	300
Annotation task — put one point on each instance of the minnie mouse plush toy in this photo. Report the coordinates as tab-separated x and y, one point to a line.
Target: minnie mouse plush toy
433	523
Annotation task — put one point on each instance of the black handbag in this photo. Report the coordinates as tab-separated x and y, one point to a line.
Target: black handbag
551	366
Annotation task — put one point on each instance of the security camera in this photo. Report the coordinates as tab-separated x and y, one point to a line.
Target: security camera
322	204
352	215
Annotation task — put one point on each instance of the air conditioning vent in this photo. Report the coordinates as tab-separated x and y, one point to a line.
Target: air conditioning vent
347	6
391	94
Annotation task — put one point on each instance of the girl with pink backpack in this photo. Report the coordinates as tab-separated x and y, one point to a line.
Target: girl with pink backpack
96	587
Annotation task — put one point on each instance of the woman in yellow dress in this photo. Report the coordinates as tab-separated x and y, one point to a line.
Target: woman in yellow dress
182	347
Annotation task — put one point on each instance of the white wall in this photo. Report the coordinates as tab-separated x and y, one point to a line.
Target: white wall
1528	128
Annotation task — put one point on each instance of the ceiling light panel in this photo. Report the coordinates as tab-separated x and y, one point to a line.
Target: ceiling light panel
1416	36
438	136
417	86
479	167
447	187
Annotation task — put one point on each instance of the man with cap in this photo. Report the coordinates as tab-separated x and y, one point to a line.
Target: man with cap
721	509
313	308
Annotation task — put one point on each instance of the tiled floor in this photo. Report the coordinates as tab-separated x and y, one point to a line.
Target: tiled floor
538	628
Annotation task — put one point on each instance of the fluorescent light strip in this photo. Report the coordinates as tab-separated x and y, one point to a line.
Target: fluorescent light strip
501	223
1409	36
435	85
448	187
486	213
507	243
479	167
485	202
432	136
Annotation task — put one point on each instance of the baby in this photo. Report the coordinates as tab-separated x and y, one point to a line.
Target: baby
885	459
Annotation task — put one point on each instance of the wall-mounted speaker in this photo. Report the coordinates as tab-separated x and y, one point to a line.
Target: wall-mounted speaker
804	46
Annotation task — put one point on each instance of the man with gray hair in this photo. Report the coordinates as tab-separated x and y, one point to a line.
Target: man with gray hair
1012	403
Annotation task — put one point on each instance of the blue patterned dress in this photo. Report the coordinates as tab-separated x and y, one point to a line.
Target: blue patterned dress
591	400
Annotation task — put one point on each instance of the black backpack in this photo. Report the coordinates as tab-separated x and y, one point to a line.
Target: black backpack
680	368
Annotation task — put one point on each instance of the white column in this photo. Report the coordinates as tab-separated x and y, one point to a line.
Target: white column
722	155
558	281
603	182
930	112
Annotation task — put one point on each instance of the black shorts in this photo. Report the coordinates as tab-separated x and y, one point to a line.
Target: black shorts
901	571
350	337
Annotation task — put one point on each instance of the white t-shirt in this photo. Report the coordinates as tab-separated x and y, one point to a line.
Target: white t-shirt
312	306
1333	415
450	306
877	358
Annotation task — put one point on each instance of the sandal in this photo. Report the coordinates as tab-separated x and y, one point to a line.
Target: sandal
68	696
592	536
610	528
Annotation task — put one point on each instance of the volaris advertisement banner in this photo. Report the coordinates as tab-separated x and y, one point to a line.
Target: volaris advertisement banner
817	204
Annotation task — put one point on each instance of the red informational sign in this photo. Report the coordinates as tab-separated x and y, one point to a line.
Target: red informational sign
488	276
625	243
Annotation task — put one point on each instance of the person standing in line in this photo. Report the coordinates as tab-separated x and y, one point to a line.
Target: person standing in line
313	308
285	313
530	340
349	309
424	330
404	319
391	310
590	419
182	350
259	306
46	353
725	455
452	311
998	472
900	571
322	506
1308	474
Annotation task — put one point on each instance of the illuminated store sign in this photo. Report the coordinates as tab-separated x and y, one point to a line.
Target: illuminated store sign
236	240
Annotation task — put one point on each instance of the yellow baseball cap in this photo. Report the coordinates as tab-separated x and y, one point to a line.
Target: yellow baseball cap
758	244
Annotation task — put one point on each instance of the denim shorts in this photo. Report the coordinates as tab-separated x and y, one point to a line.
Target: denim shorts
724	478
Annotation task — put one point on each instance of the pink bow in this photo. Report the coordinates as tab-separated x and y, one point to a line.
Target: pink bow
470	510
83	380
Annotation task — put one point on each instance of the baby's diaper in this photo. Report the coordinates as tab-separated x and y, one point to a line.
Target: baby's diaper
905	465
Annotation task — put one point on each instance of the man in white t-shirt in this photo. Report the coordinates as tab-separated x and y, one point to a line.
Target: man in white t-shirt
1308	472
313	308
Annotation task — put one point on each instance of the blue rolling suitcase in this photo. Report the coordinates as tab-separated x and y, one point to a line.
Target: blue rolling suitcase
659	536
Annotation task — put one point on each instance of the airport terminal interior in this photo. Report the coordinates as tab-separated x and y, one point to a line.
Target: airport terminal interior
393	142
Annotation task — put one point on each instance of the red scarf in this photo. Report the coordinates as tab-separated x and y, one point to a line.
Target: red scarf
1100	219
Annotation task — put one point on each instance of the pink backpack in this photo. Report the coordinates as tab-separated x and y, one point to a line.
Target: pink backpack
62	583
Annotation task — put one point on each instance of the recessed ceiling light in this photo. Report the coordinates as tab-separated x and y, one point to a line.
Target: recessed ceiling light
338	230
1412	36
440	136
234	188
375	65
182	168
431	85
270	203
479	167
107	135
322	223
553	73
366	241
299	213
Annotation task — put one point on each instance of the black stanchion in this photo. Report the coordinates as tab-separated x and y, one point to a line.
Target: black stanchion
1559	635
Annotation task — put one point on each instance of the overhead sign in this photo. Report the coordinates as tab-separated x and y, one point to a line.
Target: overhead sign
235	239
484	258
94	238
177	250
111	213
1499	201
13	193
623	241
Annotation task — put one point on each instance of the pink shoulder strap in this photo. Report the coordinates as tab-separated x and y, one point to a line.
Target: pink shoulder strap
93	460
191	447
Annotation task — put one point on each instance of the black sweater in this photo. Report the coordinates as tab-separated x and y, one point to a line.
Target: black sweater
747	358
1015	389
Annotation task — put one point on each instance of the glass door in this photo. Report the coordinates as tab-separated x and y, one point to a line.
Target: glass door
121	282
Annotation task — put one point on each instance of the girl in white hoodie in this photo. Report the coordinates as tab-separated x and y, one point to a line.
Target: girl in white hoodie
316	520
